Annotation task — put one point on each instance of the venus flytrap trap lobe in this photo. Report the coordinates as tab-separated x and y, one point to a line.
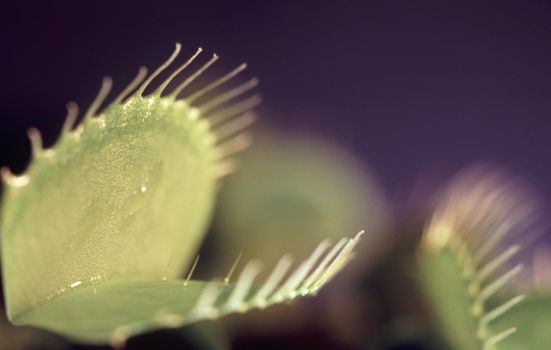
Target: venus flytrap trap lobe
98	230
463	260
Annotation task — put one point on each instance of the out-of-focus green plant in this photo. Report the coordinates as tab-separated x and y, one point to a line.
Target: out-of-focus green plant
98	230
464	264
297	188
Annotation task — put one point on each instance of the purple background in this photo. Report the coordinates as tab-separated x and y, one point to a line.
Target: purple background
417	88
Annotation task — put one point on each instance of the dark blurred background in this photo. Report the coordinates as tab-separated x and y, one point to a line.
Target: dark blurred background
414	87
417	89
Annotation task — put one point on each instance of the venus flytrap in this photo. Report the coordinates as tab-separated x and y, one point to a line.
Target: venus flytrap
464	262
98	230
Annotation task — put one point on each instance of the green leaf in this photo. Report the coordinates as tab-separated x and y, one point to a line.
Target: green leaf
117	309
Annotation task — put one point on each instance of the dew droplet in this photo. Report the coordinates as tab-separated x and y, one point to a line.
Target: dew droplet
143	188
19	181
194	113
75	284
102	122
